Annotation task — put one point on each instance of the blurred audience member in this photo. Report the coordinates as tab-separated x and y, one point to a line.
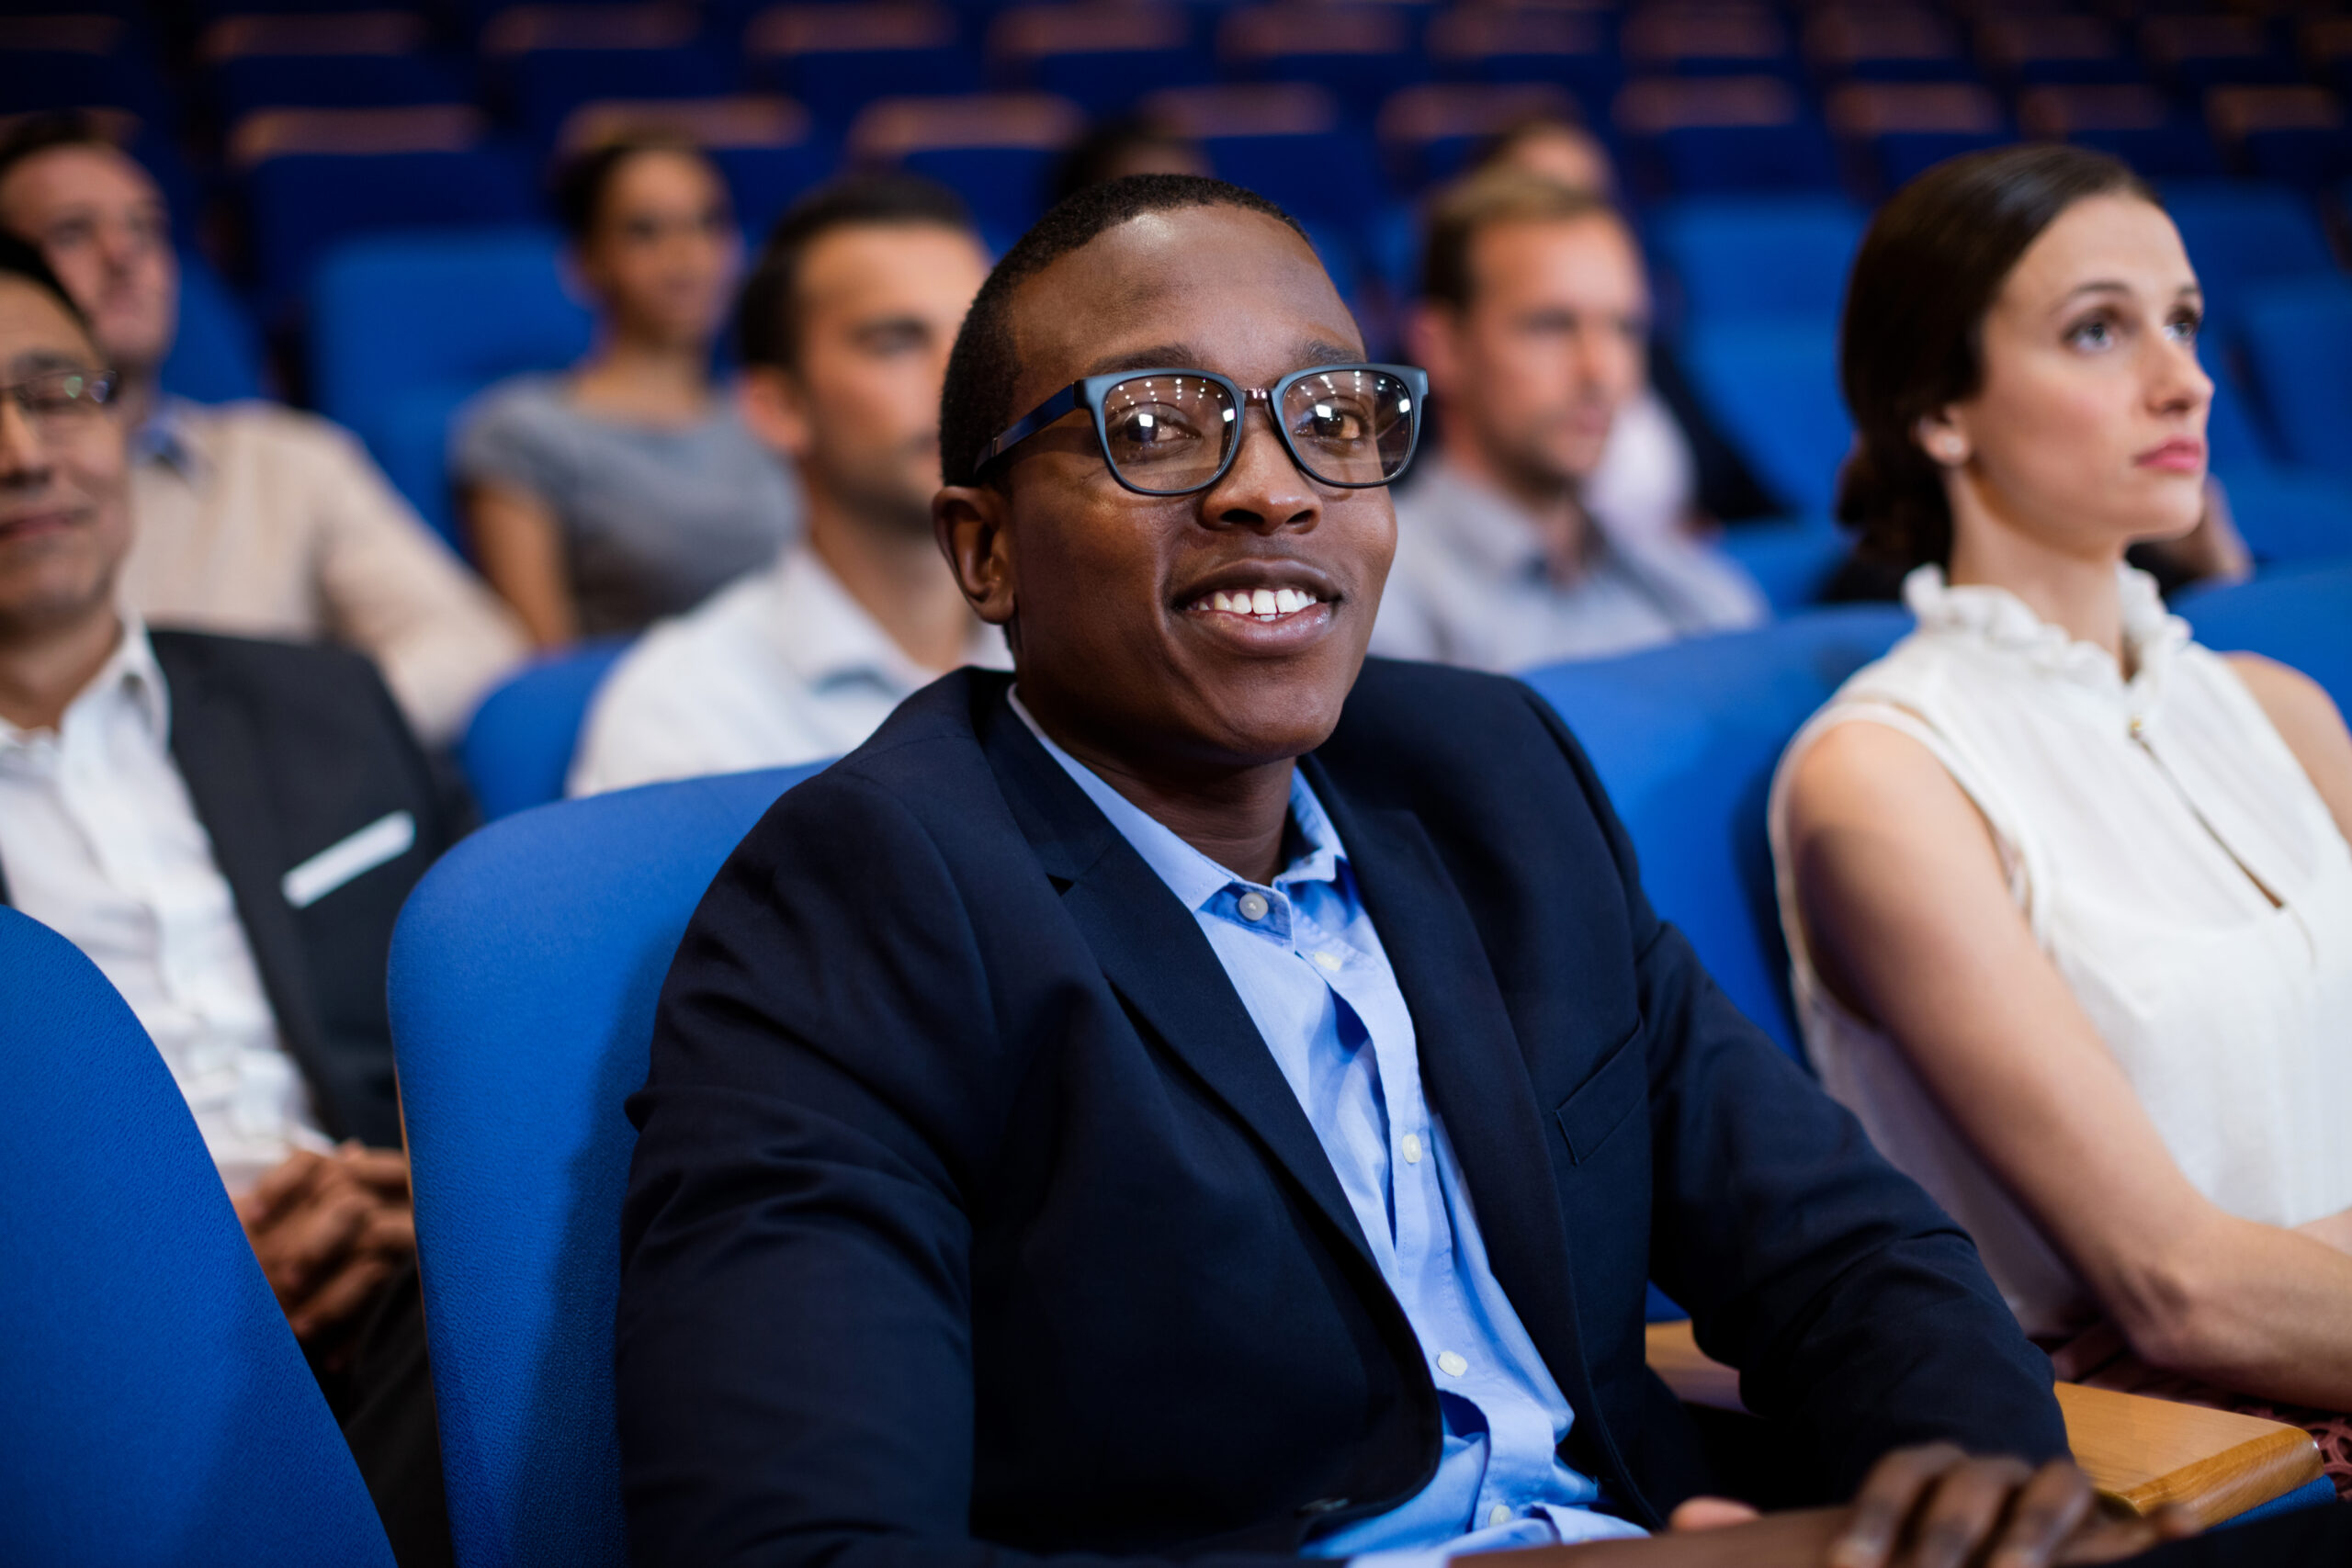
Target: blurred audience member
252	518
628	488
2069	896
845	329
1666	465
227	828
1130	144
1534	329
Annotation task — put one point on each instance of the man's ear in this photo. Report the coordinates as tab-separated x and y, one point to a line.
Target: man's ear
1430	330
775	410
969	521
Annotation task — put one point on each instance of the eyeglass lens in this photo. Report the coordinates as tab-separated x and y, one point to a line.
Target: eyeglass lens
1170	433
62	394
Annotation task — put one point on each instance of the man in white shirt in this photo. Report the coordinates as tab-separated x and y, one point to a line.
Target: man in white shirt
254	519
227	828
1533	331
845	327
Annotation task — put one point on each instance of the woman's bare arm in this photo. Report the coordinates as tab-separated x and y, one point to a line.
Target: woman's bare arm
519	547
1911	924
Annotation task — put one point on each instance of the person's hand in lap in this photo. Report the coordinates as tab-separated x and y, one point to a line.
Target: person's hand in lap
328	1231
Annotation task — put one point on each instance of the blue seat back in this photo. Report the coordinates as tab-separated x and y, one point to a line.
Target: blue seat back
443	314
518	747
1795	437
158	1409
2291	517
305	203
1685	738
2298	337
524	975
2300	617
216	357
2241	234
1740	257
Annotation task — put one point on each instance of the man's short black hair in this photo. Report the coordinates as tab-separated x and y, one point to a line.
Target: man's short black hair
38	133
22	258
767	316
976	402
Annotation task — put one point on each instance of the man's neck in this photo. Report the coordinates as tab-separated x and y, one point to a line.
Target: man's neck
897	577
1234	815
1551	506
43	670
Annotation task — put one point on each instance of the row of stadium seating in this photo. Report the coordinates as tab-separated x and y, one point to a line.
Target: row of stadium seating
172	1406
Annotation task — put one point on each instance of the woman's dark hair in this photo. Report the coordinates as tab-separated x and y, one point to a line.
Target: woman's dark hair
583	181
1912	343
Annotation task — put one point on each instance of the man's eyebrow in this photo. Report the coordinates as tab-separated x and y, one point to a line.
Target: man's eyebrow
1168	355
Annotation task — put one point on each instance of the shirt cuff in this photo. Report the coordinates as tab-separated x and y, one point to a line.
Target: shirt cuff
1420	1557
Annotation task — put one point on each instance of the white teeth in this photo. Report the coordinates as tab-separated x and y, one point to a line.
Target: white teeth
1262	601
1289	599
1221	600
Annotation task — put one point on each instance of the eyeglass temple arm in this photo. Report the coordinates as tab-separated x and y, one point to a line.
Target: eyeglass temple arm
1044	414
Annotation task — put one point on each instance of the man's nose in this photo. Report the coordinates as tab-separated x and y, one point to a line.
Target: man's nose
1264	489
24	457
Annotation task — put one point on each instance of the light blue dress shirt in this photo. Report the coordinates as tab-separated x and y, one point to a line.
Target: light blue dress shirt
1310	968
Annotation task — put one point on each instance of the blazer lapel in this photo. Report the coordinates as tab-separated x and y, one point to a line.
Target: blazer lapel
219	761
1474	1073
1155	956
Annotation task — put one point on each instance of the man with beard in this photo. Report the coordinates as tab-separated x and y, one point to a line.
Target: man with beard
844	330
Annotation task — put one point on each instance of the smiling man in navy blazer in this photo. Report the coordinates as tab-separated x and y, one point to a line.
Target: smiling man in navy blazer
1210	1095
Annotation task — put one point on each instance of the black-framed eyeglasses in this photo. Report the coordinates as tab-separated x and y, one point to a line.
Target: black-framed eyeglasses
62	394
1173	432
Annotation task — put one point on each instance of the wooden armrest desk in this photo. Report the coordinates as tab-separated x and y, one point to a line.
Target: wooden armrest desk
2140	1453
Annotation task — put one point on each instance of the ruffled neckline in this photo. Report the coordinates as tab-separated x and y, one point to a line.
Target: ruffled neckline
2000	619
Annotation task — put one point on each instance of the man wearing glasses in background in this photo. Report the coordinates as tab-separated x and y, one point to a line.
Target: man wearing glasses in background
1207	1097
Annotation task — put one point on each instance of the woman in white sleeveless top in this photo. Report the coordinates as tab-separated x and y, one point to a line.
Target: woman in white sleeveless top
2069	896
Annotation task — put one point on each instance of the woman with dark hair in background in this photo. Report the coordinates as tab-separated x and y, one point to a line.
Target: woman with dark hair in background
2068	895
627	489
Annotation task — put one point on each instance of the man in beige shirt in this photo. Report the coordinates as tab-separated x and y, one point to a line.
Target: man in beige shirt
251	518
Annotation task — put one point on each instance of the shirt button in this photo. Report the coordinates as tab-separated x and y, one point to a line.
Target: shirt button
1254	905
1451	1365
1329	959
1498	1515
1412	1148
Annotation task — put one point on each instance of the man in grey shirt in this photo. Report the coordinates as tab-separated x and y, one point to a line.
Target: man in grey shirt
1533	332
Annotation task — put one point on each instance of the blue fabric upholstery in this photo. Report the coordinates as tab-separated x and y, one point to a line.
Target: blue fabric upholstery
518	747
2317	1493
523	975
1772	386
305	203
1791	558
216	357
2298	336
1686	737
2291	516
1739	257
157	1408
2301	618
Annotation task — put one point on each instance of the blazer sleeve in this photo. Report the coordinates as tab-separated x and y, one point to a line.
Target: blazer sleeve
1856	1312
793	1348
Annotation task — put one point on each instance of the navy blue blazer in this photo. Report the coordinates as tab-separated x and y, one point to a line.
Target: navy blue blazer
970	1211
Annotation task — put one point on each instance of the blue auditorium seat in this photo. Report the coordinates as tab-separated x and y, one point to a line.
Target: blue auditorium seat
2300	617
1772	387
1744	256
517	749
2291	516
251	81
524	975
1102	58
303	204
1791	559
2241	234
836	59
158	1409
1685	738
2298	340
217	355
405	328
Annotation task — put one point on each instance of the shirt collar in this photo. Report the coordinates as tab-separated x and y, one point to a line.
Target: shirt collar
130	676
1195	879
1480	523
823	634
166	435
